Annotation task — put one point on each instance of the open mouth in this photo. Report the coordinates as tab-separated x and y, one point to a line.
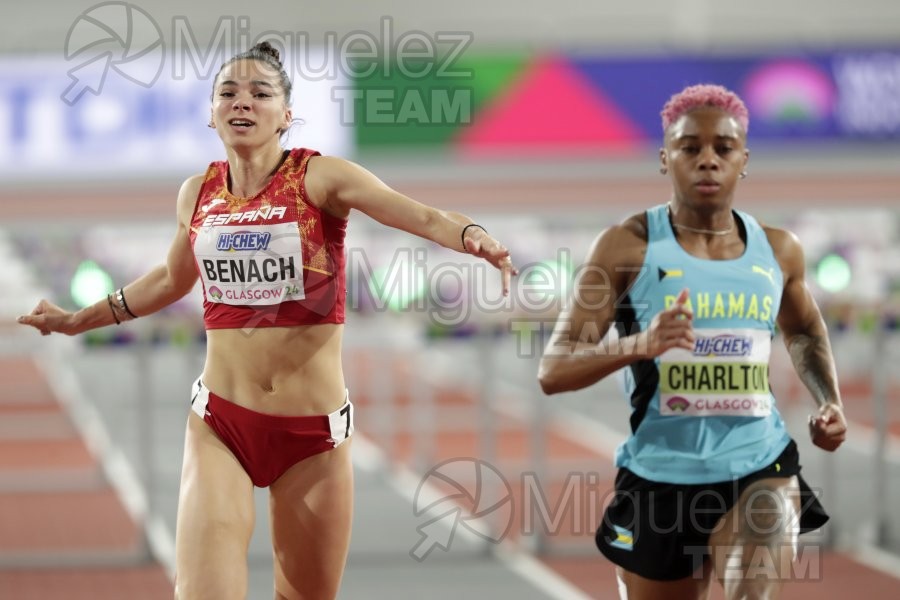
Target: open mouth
241	123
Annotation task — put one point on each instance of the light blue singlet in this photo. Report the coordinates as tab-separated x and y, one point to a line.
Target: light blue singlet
708	415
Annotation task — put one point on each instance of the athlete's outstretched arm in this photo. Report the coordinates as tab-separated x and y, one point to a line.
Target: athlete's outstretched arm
577	355
806	338
338	186
155	290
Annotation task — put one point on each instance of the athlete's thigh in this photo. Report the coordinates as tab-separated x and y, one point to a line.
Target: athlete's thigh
311	513
215	519
755	541
635	587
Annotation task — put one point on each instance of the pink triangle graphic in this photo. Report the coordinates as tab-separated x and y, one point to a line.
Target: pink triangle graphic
552	107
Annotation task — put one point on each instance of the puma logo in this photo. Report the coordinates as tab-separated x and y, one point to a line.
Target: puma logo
770	273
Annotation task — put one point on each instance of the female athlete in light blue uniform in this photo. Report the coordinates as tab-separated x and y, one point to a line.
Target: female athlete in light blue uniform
709	480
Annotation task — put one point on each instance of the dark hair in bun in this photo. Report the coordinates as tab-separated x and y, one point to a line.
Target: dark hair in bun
267	49
265	53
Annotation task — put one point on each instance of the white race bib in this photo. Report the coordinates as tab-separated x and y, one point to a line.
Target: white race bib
252	264
727	373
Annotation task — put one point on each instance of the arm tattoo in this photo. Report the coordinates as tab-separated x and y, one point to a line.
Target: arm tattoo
812	358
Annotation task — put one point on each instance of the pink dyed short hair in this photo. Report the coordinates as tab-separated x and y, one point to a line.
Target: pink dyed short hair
698	96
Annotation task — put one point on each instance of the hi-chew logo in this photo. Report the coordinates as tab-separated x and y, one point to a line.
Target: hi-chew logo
243	240
723	345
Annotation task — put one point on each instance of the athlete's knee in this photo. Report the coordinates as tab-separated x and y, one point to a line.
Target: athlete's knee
300	577
316	595
199	587
321	592
766	517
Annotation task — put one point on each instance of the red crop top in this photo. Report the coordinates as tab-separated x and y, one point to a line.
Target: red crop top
273	260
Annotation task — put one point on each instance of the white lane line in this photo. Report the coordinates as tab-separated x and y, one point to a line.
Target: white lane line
66	388
407	484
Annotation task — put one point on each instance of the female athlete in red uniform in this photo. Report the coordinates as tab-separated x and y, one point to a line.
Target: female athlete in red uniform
264	232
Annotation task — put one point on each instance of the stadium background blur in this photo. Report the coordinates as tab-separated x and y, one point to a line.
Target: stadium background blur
541	122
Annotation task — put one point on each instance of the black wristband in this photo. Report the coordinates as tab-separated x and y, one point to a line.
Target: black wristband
462	236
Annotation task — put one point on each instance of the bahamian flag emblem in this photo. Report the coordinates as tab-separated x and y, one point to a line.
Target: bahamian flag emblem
663	273
624	539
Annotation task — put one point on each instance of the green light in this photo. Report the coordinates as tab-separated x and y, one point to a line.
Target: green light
397	286
89	284
551	277
833	273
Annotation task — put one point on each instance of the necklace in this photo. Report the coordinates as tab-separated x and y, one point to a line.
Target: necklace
695	229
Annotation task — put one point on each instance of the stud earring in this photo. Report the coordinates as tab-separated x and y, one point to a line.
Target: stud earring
663	170
743	174
211	125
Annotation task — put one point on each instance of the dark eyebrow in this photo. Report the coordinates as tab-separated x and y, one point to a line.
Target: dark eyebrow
257	82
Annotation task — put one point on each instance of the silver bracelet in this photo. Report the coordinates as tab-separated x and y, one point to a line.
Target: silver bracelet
120	300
